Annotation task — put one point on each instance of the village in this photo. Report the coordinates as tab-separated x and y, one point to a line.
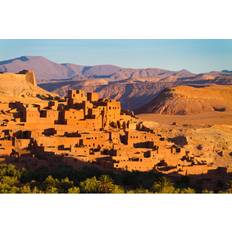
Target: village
91	130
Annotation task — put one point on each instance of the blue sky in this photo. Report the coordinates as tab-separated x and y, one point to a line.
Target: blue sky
194	55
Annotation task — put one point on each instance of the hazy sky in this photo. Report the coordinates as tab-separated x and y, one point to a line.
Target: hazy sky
194	55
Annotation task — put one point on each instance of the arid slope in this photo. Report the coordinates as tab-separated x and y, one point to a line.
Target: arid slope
183	100
14	86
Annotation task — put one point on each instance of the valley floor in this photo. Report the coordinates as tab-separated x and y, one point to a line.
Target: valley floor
194	119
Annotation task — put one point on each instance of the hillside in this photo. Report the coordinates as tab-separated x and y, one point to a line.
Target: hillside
183	100
132	95
223	78
15	86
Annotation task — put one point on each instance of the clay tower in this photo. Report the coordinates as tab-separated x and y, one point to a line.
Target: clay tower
30	77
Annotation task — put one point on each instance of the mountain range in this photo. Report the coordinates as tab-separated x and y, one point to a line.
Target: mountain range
133	87
47	71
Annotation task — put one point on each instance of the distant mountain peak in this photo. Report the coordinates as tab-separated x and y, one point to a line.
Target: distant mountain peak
23	58
227	71
46	70
185	71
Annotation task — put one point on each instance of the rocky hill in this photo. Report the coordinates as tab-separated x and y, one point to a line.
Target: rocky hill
191	100
224	78
23	85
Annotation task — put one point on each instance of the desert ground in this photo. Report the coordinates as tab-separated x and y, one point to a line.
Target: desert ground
207	135
203	119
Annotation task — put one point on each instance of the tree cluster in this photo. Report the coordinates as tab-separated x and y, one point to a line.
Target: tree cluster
67	180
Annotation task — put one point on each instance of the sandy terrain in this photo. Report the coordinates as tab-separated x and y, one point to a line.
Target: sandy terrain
186	100
211	118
